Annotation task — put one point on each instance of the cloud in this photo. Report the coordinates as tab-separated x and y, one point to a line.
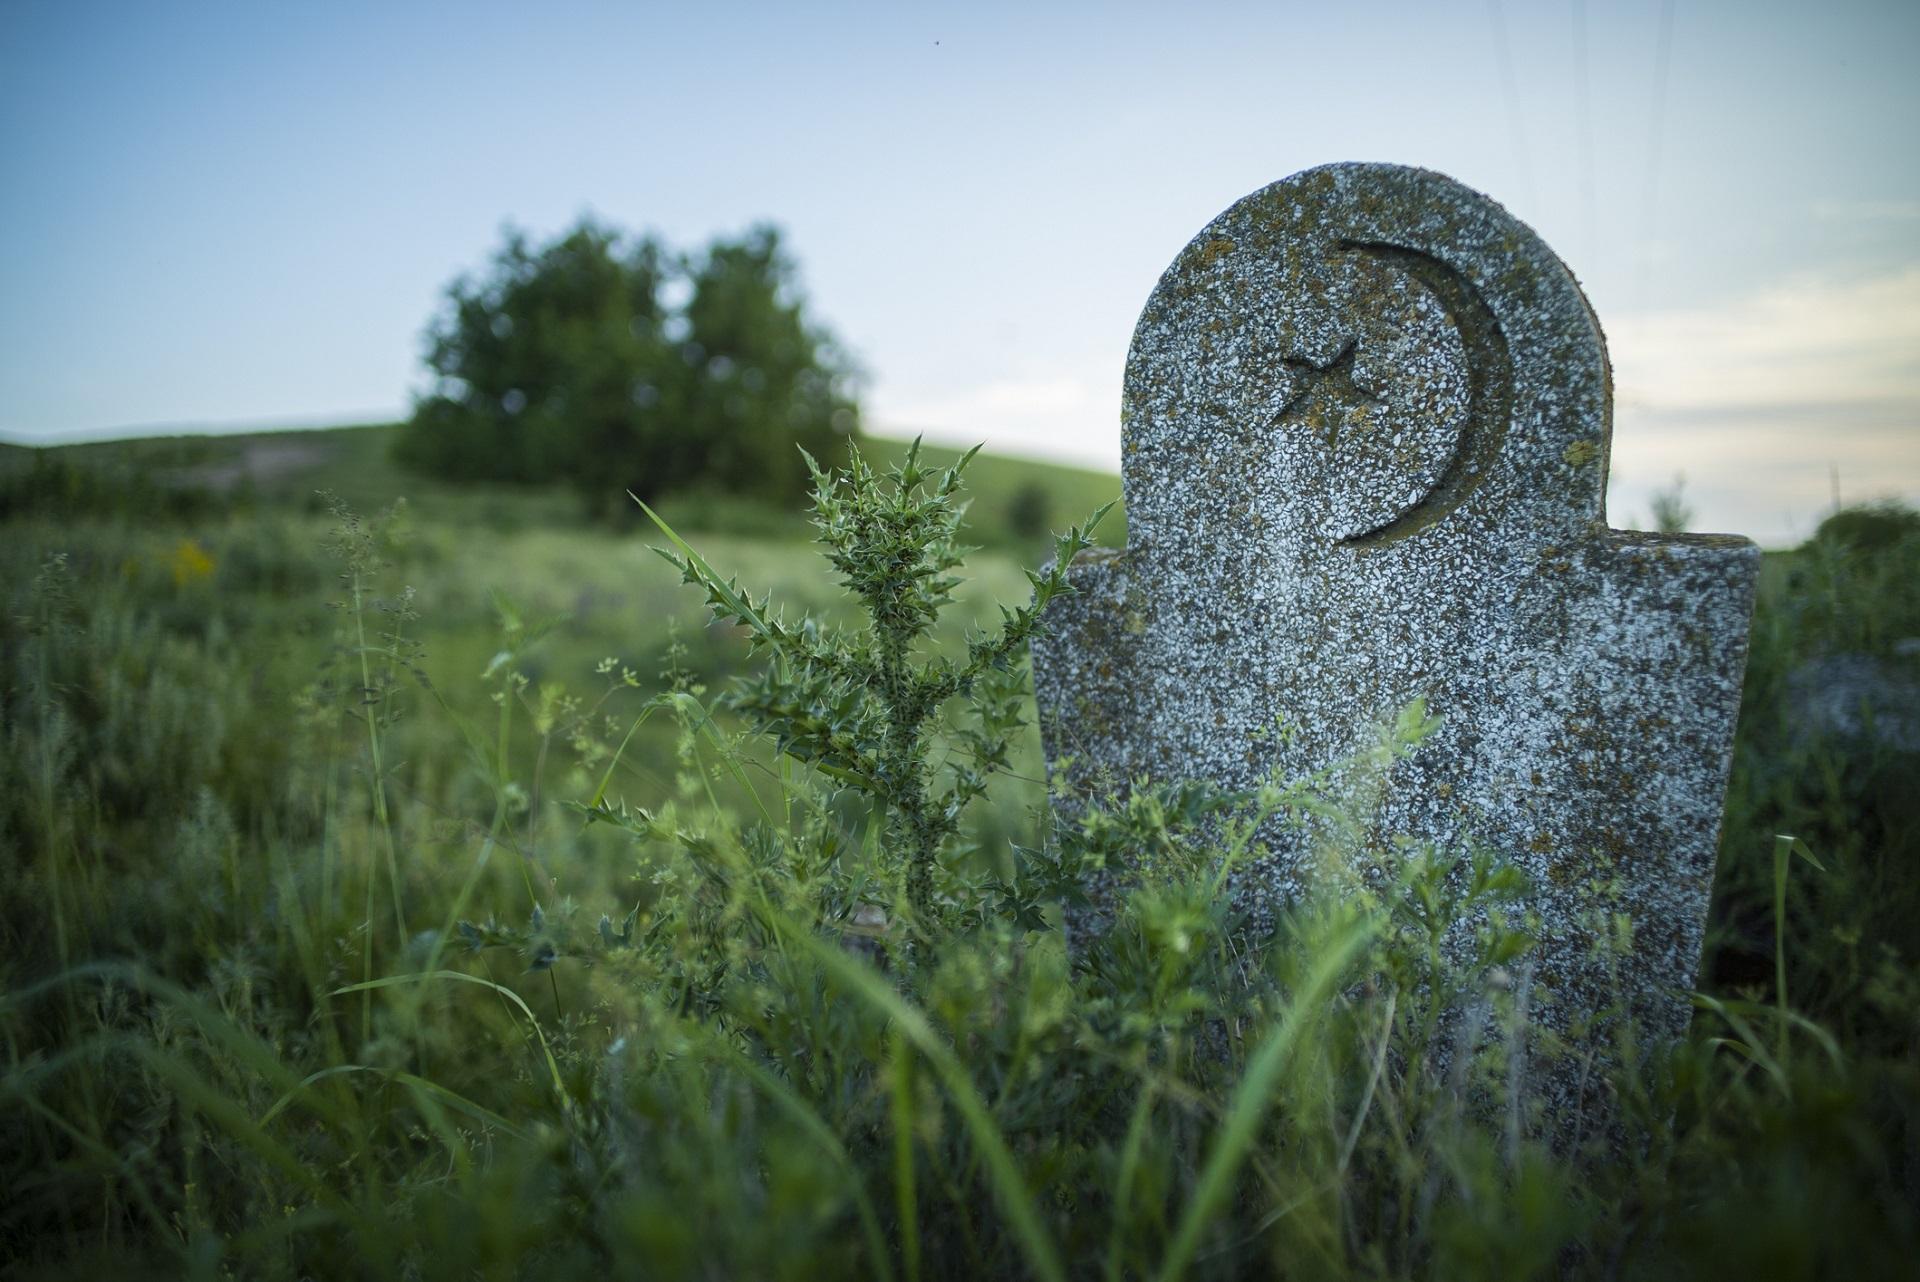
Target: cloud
1867	210
1769	476
1770	401
1805	342
1073	417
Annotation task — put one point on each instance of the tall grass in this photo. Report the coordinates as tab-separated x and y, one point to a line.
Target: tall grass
506	968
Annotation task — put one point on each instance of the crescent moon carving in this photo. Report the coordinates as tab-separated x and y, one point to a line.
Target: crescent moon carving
1489	392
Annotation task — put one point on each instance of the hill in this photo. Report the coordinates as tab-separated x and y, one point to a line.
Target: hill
1015	501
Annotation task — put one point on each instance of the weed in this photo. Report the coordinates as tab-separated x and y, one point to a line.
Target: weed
857	706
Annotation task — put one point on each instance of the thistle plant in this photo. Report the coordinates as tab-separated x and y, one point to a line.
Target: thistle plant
862	706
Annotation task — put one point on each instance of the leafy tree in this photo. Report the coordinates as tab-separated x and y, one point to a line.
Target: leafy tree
764	378
569	362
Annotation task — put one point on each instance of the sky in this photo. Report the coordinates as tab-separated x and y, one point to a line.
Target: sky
229	216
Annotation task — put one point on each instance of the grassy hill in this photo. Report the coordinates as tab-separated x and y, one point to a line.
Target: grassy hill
227	538
1013	500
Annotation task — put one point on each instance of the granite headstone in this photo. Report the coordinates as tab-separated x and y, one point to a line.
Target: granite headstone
1365	430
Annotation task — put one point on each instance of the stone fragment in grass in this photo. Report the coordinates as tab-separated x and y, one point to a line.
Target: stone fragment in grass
1856	697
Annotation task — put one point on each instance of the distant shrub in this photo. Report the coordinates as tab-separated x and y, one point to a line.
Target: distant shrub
1869	527
54	485
577	360
1030	510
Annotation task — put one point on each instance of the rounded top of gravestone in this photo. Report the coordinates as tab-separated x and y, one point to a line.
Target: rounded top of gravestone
1360	360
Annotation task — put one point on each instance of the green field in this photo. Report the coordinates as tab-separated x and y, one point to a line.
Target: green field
256	507
314	965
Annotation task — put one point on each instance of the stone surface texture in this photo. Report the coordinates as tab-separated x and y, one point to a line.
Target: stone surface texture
1366	424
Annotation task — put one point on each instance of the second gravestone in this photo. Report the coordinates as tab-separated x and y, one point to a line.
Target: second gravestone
1366	429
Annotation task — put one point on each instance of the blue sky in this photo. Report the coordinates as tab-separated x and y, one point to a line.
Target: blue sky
241	214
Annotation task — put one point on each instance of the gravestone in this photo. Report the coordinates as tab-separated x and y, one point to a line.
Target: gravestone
1366	423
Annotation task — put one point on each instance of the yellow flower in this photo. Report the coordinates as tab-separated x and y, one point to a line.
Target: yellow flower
190	563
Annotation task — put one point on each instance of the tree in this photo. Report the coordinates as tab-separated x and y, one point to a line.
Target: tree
567	362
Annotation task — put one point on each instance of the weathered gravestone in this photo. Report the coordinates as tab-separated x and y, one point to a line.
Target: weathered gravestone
1366	427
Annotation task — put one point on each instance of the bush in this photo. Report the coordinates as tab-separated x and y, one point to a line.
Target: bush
570	362
1846	603
57	486
1869	527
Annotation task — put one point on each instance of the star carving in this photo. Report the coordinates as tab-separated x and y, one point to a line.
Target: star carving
1325	396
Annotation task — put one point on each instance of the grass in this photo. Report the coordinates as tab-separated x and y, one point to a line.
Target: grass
347	930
